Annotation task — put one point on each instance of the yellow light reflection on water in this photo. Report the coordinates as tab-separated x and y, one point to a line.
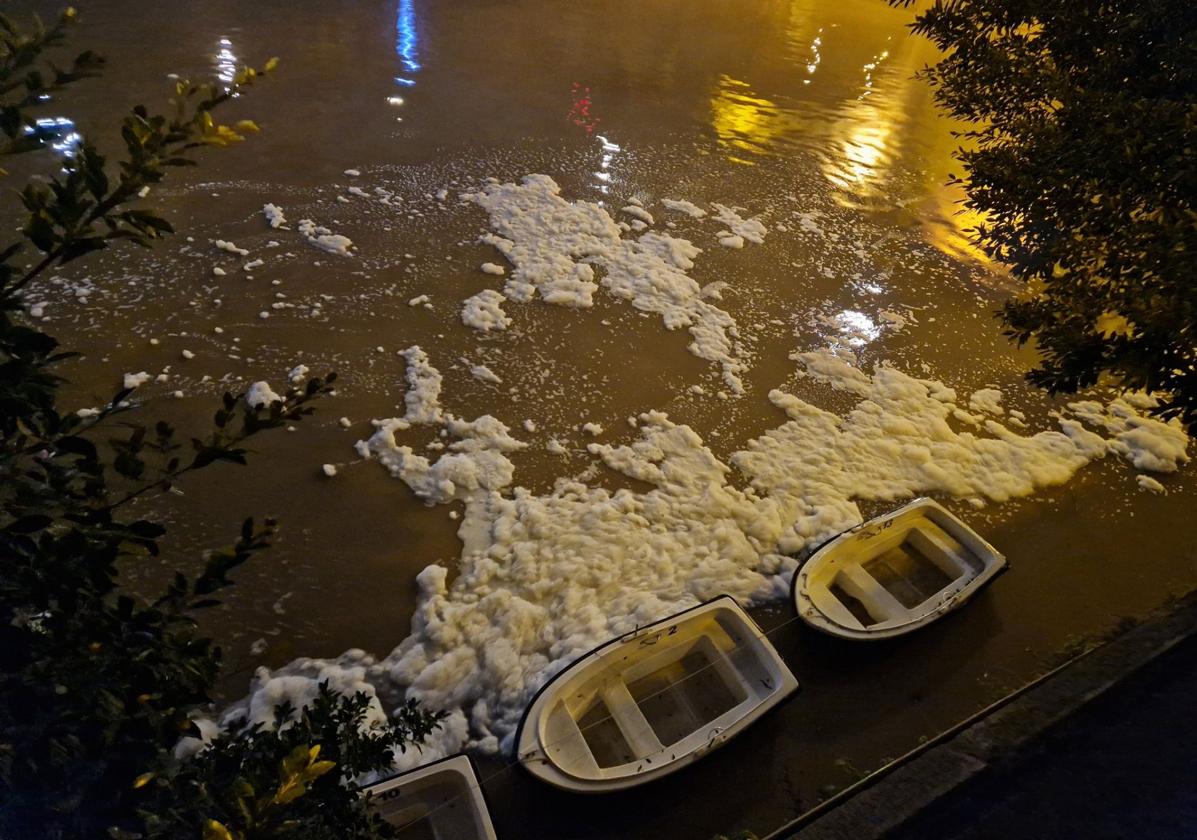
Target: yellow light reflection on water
869	132
851	100
743	121
861	158
949	226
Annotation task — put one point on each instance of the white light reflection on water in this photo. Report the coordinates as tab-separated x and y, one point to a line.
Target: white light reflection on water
226	62
870	137
58	133
853	327
869	68
863	158
603	176
813	64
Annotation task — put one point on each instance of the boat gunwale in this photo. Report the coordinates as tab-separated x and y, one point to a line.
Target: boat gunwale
588	785
832	627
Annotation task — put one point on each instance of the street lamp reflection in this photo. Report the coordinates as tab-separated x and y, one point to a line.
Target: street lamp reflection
58	133
226	62
407	42
745	122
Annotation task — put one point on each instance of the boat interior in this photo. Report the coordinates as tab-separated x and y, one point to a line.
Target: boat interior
905	572
439	807
655	702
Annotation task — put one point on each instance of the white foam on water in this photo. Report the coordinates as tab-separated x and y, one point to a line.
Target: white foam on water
321	237
485	374
986	401
544	578
553	243
682	206
1147	443
260	394
484	311
135	380
750	230
274	215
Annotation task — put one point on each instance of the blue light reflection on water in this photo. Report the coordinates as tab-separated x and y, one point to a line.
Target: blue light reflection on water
408	40
407	43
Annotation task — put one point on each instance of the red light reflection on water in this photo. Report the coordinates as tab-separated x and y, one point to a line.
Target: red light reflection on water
579	112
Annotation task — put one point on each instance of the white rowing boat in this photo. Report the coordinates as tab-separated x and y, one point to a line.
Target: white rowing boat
894	574
653	700
439	801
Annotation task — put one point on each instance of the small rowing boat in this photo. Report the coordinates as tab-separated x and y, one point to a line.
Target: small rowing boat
652	701
439	801
894	574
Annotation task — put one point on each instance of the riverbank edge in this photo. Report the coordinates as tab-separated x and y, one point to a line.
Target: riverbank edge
895	793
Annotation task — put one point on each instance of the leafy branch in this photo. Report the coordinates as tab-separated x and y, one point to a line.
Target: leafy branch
275	779
25	85
76	214
97	685
1082	159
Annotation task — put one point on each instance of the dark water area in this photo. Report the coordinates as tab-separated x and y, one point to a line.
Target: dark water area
777	107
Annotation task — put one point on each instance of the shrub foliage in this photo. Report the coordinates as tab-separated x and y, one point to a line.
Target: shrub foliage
1083	158
97	685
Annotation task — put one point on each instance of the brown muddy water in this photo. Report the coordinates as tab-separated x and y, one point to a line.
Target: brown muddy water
769	105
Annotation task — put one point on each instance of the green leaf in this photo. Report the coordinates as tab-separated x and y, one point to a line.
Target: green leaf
295	761
319	768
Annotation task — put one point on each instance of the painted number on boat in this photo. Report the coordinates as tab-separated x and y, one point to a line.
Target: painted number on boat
869	533
656	637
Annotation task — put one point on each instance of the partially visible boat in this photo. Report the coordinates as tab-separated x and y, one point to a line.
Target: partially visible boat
439	801
653	700
894	574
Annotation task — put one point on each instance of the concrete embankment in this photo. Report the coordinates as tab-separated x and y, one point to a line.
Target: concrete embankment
1103	746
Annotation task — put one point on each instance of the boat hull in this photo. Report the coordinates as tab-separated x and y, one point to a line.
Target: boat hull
652	701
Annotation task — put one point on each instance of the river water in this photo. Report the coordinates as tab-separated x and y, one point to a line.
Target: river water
805	114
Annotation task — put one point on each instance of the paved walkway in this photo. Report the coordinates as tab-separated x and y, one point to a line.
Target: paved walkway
1104	748
1122	767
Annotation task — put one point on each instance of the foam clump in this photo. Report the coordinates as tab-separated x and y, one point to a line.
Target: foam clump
553	245
324	239
747	230
987	401
230	247
485	374
682	206
274	215
475	463
1147	443
135	380
484	311
260	394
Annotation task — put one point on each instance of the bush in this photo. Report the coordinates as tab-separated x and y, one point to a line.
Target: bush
96	685
1084	161
277	781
